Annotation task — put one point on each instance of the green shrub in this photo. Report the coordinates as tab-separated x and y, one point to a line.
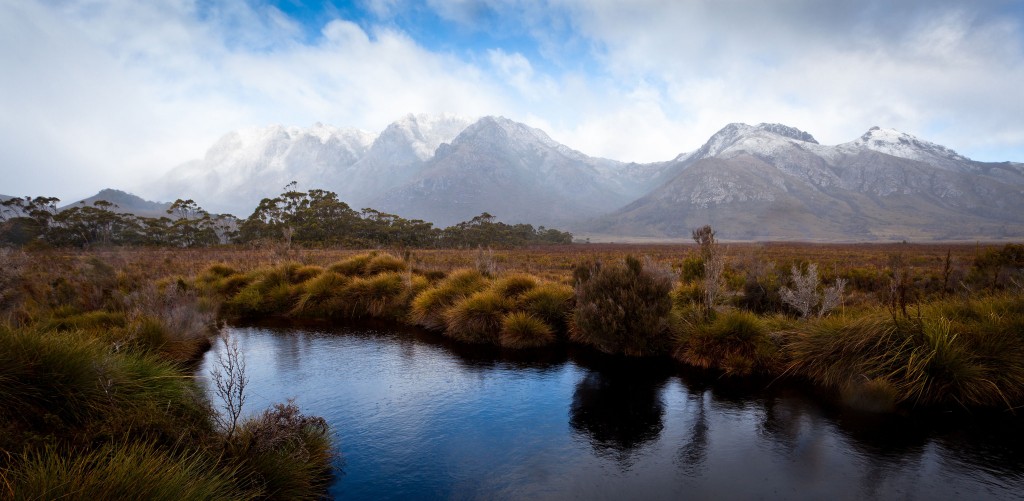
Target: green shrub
623	308
523	330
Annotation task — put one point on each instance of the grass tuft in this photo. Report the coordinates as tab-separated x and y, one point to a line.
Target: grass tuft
520	329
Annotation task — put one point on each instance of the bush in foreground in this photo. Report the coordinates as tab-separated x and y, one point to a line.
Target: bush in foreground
623	307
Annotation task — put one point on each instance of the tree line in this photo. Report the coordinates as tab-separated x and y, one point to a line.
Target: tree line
313	218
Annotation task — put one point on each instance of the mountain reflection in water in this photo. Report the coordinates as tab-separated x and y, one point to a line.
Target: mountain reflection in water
418	416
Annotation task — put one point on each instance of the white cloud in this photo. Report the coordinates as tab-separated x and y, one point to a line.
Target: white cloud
110	93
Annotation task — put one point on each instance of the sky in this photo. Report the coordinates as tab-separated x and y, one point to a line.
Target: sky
97	94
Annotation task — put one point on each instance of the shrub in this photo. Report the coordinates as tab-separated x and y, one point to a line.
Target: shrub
804	297
286	454
623	308
477	318
523	330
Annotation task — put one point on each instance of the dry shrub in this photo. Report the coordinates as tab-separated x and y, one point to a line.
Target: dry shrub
623	307
286	454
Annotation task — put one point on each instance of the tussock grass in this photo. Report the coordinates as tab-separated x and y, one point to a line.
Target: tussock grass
428	308
550	302
734	341
322	296
122	471
963	353
353	266
520	329
385	263
68	385
477	318
515	285
377	296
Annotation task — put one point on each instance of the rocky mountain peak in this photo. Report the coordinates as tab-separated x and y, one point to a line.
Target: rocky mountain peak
903	145
787	131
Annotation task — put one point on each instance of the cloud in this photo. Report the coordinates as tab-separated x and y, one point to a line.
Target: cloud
103	93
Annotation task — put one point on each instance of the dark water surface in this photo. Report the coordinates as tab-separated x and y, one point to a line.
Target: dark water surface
418	417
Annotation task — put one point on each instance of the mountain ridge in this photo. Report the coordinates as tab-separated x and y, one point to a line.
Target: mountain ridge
447	169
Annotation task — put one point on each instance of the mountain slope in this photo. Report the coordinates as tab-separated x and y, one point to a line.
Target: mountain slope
126	203
516	173
775	182
246	166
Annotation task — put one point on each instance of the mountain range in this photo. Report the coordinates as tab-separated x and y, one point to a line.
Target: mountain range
765	181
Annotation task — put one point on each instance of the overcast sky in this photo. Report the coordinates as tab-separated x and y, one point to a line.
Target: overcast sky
97	94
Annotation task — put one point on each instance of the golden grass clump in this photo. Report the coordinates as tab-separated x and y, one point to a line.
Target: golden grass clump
353	266
384	263
477	318
956	353
513	286
550	302
734	341
428	308
322	296
377	296
520	329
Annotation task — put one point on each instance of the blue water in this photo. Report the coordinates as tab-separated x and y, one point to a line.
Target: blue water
419	417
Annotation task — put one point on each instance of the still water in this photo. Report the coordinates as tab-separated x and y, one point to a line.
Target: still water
418	417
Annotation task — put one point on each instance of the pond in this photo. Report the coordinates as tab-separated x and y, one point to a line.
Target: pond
419	417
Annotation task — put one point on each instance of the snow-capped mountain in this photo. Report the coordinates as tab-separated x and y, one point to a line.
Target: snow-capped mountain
773	181
248	165
515	172
397	155
765	181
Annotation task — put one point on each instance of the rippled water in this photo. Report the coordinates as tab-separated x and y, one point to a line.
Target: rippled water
418	417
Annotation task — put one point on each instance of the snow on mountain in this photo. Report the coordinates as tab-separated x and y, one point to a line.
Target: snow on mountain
756	181
773	181
397	155
513	171
902	145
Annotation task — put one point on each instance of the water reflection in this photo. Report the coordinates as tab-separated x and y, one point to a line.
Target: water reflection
419	416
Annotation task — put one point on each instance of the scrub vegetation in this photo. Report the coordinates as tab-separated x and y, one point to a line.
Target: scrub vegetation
97	347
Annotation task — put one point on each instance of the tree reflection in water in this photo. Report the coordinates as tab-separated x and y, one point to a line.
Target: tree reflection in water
619	409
